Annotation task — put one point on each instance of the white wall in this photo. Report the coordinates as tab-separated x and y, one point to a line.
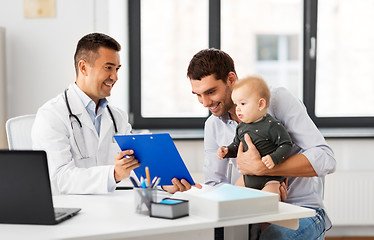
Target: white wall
39	51
354	161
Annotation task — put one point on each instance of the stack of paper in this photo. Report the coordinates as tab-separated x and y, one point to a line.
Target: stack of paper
228	201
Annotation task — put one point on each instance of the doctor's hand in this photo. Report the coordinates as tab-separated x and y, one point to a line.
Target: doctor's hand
249	162
124	165
180	186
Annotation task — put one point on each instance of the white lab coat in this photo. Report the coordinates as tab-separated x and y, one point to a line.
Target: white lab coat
69	172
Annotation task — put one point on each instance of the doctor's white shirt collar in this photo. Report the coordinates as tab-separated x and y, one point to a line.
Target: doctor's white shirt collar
90	106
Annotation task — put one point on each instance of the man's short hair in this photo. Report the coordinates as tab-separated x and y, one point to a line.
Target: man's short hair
88	48
210	61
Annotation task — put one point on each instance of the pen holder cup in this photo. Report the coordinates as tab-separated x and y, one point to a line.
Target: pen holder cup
143	197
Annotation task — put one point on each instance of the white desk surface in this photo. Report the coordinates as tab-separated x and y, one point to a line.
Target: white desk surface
112	216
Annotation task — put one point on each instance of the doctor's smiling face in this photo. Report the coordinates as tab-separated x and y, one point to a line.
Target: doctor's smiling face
97	78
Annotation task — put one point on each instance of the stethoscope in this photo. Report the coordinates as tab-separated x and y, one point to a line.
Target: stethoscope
77	132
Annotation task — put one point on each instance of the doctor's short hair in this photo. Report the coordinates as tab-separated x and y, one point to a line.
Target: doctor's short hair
210	61
88	47
255	84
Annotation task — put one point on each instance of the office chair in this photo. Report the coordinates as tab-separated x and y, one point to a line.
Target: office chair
18	131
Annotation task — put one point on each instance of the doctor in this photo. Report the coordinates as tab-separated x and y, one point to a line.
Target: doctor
76	128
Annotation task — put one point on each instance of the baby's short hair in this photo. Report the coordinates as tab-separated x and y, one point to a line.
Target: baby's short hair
256	84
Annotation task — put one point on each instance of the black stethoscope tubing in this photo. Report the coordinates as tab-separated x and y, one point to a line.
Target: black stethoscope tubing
71	115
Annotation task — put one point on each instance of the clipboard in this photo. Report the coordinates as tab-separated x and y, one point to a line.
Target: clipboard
158	153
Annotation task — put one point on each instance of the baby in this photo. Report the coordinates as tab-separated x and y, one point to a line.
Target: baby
251	96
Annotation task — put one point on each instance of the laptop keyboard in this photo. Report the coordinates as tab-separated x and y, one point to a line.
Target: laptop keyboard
58	213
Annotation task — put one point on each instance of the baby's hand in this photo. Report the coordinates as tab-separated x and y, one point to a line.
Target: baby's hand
221	152
268	161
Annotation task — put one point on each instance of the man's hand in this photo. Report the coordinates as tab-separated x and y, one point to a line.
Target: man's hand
180	186
283	190
249	162
124	163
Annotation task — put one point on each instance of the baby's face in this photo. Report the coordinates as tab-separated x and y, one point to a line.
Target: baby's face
247	104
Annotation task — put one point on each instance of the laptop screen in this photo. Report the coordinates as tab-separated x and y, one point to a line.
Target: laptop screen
25	188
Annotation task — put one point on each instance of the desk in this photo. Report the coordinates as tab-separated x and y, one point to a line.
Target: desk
112	216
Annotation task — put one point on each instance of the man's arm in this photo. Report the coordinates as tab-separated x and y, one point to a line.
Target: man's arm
295	166
250	163
311	154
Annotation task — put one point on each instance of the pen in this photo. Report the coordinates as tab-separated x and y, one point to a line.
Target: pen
153	181
148	176
134	182
156	182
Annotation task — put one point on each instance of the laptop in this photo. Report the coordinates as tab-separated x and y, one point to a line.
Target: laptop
25	190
